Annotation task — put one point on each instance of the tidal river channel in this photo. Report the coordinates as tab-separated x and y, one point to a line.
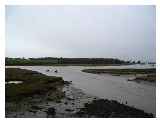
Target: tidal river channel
140	95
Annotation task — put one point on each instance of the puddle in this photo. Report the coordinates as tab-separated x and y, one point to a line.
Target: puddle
14	82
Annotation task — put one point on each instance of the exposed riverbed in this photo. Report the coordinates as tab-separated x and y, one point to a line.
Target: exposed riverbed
140	95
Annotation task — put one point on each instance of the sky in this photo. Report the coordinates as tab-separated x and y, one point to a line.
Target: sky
124	32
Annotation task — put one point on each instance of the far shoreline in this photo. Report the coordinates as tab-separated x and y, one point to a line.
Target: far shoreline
74	65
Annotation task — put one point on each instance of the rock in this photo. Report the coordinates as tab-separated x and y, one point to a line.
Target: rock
115	74
73	104
32	111
51	112
65	103
36	107
69	110
58	101
47	70
69	98
67	82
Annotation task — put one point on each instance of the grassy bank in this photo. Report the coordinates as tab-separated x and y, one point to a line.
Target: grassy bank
121	71
148	77
146	74
103	108
33	83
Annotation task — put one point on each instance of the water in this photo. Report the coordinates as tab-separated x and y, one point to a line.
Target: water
140	95
14	82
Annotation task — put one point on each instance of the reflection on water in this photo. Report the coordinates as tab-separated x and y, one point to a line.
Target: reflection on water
14	82
140	95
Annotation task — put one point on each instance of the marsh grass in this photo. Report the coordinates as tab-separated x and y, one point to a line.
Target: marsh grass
33	83
103	108
121	71
146	74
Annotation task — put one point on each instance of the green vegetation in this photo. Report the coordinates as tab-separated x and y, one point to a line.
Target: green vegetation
34	83
64	61
146	74
121	71
103	108
148	77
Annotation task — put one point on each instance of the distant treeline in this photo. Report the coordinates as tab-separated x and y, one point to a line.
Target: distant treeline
64	61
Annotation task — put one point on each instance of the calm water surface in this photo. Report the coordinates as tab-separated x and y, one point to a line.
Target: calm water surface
140	95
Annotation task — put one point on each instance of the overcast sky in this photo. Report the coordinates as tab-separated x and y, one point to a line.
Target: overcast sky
125	32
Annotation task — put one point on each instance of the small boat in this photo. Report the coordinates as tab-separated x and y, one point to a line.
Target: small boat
131	79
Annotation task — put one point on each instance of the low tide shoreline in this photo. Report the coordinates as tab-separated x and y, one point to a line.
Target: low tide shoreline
72	103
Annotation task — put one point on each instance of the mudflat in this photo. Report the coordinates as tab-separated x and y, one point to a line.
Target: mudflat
39	95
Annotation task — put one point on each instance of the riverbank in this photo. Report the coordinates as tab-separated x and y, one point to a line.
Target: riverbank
139	74
110	109
41	107
32	83
39	95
